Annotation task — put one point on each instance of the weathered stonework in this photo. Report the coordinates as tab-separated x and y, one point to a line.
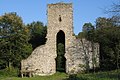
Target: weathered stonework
80	56
42	60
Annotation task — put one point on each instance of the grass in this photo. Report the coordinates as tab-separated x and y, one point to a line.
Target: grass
57	76
109	75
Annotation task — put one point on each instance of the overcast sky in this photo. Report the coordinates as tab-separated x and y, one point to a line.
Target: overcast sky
35	10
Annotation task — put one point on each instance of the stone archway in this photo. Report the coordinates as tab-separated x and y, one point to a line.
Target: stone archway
60	49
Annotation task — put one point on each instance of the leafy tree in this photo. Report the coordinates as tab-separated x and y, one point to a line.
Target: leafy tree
116	20
60	57
81	35
109	40
38	33
103	22
107	34
114	11
87	27
87	31
13	39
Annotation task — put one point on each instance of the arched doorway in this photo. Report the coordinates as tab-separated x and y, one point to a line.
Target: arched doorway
60	45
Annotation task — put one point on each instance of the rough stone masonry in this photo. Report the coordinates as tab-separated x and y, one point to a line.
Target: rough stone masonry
79	53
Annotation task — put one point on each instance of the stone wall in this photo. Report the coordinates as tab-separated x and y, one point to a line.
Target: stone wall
42	60
80	56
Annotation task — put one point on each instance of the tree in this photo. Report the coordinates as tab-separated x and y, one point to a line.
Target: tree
38	33
14	40
114	9
103	22
87	27
60	60
108	36
109	40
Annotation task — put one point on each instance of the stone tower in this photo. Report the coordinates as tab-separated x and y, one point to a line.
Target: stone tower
60	19
42	61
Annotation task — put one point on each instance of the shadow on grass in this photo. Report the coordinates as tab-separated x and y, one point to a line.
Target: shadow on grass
96	76
72	77
109	75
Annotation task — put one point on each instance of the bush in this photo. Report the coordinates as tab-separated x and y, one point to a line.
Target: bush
9	71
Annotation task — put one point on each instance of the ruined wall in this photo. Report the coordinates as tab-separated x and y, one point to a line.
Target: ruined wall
42	59
82	55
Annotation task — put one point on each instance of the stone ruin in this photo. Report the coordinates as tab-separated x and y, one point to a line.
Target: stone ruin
79	53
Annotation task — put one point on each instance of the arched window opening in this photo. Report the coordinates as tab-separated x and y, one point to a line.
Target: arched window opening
60	44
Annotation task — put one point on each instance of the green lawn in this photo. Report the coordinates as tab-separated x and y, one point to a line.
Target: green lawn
110	75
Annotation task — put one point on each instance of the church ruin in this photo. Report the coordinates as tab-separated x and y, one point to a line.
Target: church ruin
78	53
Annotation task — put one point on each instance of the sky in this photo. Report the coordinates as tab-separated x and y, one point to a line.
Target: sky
84	11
